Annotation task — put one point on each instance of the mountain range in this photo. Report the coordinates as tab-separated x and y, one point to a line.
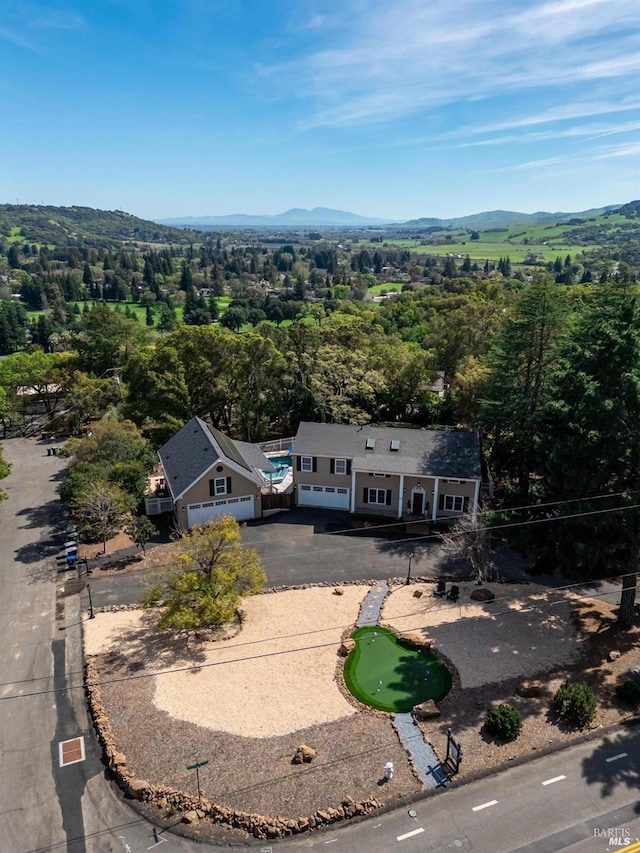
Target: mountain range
324	217
319	217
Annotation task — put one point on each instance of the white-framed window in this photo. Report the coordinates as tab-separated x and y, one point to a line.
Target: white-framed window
377	496
232	501
340	466
220	484
318	489
306	464
305	488
248	498
329	489
342	491
453	503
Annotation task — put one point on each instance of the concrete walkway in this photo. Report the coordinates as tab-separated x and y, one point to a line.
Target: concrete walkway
371	606
425	761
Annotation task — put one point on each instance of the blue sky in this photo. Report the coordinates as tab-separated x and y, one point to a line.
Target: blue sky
398	109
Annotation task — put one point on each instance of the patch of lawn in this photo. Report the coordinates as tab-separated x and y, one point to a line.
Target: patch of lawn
386	675
387	287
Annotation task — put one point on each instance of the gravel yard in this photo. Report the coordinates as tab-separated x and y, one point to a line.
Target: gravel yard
246	702
526	629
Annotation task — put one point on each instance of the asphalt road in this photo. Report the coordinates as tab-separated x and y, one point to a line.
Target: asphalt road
562	802
30	812
43	806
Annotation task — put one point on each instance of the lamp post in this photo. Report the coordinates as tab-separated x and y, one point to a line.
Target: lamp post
91	613
409	571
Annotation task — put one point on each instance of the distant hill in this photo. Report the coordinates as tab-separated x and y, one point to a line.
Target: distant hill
505	218
70	226
297	217
324	217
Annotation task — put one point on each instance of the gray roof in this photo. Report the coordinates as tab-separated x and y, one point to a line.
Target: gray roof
428	453
254	456
194	449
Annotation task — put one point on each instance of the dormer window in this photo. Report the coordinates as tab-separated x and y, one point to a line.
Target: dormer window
395	445
370	443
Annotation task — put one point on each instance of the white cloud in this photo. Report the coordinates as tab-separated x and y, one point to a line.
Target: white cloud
583	133
559	113
603	153
628	150
392	60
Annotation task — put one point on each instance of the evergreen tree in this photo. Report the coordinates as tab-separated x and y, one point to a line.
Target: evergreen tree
186	278
13	257
590	445
521	363
13	325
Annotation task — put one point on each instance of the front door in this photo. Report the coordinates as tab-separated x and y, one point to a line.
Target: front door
417	503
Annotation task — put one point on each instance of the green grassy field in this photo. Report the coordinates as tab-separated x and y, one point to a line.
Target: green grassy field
546	240
387	287
481	250
15	236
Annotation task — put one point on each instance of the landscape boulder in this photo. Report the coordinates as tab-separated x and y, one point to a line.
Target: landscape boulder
338	591
346	647
417	593
426	711
614	654
530	689
304	754
482	594
137	789
414	640
190	816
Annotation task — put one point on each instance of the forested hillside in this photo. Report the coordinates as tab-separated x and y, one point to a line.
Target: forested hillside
79	226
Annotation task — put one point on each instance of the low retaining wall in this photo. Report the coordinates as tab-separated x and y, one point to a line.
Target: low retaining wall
192	809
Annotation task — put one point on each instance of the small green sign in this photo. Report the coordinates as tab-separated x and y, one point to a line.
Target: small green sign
198	764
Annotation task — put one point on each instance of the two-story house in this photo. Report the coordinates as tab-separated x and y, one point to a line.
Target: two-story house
413	473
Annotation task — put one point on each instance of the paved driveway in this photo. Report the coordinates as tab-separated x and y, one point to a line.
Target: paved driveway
308	546
311	546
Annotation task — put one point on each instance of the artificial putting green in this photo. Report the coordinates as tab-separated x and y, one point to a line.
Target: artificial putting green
386	675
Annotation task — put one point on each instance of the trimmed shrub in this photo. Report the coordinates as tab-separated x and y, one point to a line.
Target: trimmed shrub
576	703
504	722
629	693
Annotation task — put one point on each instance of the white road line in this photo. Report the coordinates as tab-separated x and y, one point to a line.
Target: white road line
410	834
376	826
617	757
484	806
555	779
333	841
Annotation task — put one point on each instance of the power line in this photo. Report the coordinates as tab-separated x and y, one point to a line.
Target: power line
385	525
429	536
196	666
409	539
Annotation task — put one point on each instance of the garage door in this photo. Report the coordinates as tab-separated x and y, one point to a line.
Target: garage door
328	497
240	508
